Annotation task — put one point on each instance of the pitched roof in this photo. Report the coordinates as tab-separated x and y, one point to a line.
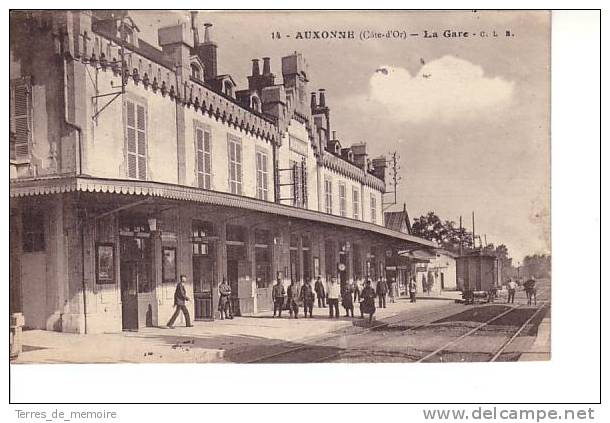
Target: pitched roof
396	220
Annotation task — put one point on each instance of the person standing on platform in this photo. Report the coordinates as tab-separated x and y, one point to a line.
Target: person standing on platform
180	299
392	290
307	296
512	288
294	293
278	293
320	293
367	305
382	290
224	300
347	299
334	291
357	289
412	289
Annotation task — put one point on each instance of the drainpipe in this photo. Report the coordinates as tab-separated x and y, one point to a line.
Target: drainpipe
276	188
79	170
177	126
83	217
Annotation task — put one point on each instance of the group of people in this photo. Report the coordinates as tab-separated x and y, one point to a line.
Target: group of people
529	287
295	295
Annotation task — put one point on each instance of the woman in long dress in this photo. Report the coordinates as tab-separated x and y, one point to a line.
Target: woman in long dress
367	305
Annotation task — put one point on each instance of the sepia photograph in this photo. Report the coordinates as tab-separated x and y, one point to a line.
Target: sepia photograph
182	193
262	187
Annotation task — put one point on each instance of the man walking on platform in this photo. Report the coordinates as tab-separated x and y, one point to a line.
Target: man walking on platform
180	299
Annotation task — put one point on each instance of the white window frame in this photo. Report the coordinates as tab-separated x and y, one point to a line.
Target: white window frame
328	195
235	164
342	199
356	203
141	151
262	175
203	175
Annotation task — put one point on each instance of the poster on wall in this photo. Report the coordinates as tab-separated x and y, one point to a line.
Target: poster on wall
169	264
105	263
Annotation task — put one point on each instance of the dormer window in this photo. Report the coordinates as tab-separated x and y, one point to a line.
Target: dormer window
255	104
195	72
228	88
337	148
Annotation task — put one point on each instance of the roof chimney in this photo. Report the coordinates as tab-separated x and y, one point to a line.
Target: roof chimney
322	97
207	52
194	28
314	103
255	69
206	34
266	66
334	135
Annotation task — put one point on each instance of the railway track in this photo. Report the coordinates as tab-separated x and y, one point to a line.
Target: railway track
322	351
337	336
504	345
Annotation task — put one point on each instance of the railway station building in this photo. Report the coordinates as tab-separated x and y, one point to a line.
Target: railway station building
132	165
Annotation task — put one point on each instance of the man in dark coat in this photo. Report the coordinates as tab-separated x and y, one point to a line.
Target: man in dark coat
224	300
278	293
180	299
307	296
412	289
347	300
320	293
367	305
382	290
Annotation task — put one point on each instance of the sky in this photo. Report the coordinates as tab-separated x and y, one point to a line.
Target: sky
468	116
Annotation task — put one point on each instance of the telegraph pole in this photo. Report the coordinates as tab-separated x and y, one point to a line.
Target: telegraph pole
473	233
461	241
395	177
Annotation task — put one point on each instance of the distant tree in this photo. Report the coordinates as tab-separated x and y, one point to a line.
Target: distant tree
444	233
537	265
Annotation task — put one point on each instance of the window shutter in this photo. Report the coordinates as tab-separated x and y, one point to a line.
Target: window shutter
21	117
141	142
199	156
132	152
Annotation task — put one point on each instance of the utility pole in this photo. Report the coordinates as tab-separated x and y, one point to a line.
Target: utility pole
395	177
461	241
473	232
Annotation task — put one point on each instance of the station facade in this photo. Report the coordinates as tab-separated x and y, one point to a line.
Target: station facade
131	165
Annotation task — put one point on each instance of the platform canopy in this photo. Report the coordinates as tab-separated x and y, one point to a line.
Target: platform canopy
147	189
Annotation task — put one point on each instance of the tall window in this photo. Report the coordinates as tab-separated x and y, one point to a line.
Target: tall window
373	209
21	119
235	162
328	194
203	141
262	174
356	203
342	200
135	133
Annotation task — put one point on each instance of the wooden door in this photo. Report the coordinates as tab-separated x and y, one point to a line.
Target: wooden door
129	295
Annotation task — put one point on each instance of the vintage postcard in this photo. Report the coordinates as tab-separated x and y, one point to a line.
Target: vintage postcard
279	186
